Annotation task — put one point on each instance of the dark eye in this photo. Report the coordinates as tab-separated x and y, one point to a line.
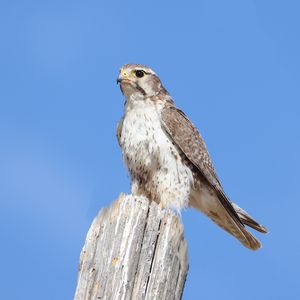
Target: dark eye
139	73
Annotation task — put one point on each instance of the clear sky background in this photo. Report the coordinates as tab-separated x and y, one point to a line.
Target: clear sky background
232	66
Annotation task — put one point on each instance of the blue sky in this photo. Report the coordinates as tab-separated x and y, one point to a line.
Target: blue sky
232	66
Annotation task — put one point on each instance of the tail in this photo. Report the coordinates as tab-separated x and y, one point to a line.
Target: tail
238	230
248	220
230	217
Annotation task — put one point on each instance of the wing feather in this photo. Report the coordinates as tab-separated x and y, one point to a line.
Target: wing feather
119	131
187	138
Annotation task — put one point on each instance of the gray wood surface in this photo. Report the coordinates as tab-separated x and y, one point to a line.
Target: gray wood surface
133	250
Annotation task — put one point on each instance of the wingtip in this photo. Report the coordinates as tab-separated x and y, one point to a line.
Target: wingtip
263	229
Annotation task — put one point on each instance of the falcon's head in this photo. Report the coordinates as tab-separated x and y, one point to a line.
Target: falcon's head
138	79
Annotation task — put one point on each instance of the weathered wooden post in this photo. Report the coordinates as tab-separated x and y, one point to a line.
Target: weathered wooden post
133	250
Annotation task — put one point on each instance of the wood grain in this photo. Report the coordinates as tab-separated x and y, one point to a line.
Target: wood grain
133	250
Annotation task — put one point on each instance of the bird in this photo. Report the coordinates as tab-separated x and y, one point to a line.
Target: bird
167	158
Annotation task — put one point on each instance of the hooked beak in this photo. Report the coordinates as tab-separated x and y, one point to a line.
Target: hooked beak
122	76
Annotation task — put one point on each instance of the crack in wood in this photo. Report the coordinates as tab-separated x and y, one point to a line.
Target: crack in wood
134	250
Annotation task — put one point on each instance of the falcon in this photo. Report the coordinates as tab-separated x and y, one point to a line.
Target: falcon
167	158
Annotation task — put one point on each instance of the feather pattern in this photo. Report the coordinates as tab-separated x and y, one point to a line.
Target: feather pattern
167	158
209	196
190	142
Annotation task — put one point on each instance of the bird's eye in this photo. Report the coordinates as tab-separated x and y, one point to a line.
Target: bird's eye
139	73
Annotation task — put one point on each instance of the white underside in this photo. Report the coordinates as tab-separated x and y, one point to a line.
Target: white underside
147	149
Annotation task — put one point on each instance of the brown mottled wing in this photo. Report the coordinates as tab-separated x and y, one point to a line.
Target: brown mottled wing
189	141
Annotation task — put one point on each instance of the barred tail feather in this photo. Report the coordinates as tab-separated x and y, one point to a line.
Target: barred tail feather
211	206
237	230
